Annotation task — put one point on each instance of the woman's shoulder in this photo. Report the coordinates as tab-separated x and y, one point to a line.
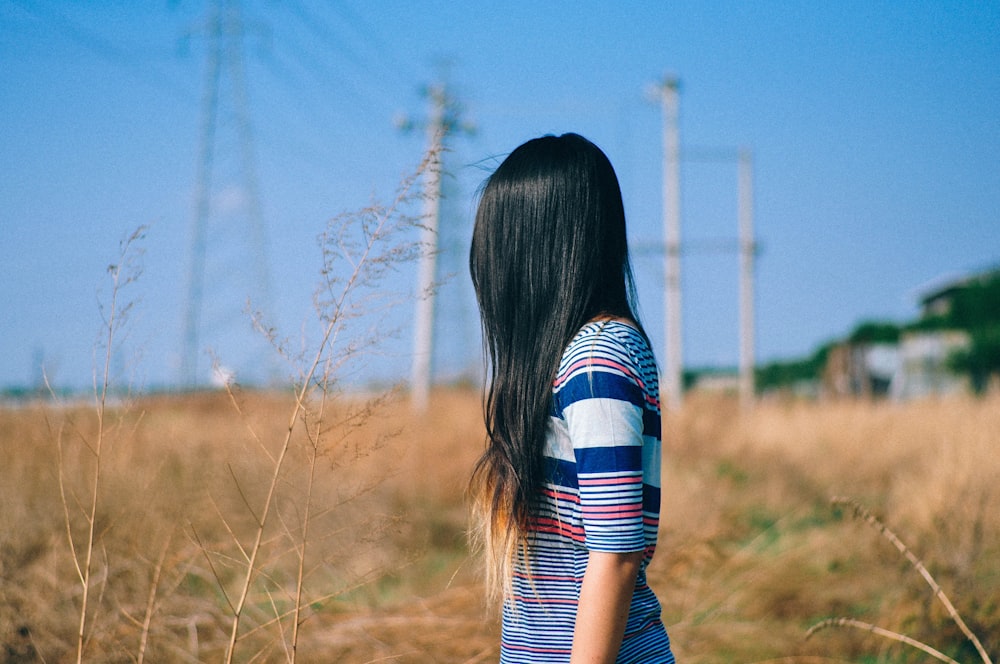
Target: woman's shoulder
609	335
609	343
607	358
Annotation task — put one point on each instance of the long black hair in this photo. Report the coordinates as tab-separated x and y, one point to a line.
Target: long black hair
549	253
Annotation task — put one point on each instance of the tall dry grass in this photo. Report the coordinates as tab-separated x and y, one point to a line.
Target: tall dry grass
755	553
163	497
358	250
752	552
250	543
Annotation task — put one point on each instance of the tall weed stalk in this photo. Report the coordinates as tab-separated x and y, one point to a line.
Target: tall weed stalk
861	512
359	251
115	316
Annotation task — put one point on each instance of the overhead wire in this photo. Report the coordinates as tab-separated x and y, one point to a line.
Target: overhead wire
321	30
323	77
397	67
324	74
363	76
302	115
112	51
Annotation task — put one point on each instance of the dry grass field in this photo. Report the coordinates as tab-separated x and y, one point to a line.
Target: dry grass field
365	532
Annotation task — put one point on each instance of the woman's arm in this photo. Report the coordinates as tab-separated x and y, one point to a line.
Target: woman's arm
605	597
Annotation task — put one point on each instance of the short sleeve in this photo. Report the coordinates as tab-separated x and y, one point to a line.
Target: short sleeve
602	403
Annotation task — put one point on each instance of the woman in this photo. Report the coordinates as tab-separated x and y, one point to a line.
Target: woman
566	496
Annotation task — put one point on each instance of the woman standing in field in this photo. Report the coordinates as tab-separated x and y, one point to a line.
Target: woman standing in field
566	496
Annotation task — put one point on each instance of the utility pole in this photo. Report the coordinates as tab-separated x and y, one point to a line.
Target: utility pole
442	120
748	251
666	91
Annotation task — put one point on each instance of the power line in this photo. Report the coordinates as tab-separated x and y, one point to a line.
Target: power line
132	57
371	84
327	76
398	68
321	30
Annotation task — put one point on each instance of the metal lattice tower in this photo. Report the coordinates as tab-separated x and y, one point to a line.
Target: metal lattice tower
223	30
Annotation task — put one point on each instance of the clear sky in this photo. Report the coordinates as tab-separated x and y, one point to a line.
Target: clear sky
874	125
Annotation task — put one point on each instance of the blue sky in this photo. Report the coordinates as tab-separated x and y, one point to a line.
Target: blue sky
875	130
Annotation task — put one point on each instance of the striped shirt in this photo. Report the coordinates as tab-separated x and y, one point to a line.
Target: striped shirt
601	492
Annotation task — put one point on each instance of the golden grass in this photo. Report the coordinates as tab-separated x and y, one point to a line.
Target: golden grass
751	553
749	494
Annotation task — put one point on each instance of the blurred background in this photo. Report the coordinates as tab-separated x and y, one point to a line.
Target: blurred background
237	133
236	130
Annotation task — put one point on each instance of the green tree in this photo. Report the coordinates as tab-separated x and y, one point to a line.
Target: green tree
873	332
777	375
976	309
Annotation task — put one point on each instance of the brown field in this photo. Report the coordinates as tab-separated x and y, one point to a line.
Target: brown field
751	553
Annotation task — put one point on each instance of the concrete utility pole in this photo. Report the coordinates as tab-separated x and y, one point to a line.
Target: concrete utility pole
673	365
423	323
665	93
748	251
442	120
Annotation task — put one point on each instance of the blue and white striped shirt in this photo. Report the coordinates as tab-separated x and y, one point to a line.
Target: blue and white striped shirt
601	492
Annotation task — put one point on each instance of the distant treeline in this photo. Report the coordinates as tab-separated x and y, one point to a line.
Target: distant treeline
974	309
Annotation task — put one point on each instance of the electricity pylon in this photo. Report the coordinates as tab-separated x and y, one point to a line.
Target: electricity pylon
223	30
